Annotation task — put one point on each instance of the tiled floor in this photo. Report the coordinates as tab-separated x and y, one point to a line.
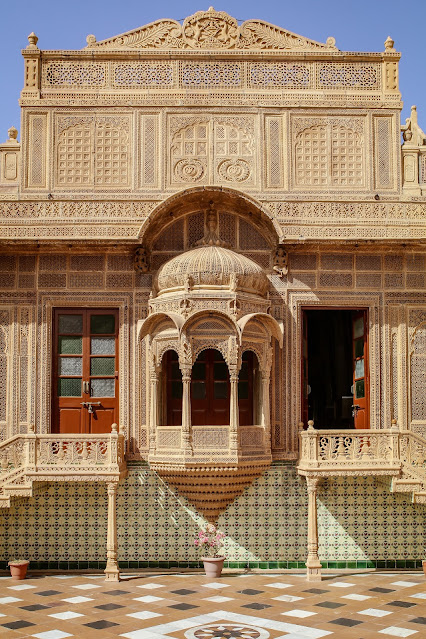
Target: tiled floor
191	606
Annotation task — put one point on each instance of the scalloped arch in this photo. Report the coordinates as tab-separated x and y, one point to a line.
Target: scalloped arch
198	199
144	326
274	327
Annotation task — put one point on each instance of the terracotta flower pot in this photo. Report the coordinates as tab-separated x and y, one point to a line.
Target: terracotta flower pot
213	566
18	569
424	566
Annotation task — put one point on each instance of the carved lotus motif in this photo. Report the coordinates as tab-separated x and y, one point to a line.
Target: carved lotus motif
234	170
189	170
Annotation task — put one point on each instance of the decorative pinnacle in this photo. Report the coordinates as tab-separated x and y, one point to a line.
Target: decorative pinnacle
91	40
389	44
32	39
12	133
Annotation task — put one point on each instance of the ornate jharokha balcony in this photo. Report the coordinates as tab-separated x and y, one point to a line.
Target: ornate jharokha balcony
40	457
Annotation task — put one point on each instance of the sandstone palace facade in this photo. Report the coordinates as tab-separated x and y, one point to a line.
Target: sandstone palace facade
212	303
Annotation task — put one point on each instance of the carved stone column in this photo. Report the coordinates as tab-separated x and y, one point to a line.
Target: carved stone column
186	411
313	563
112	572
153	409
234	417
266	409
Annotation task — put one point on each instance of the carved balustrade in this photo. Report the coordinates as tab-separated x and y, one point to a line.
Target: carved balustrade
330	452
44	457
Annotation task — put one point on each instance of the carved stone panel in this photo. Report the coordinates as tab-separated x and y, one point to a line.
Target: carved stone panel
329	153
92	151
212	150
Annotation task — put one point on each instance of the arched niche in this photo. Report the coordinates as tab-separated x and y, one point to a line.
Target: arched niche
178	223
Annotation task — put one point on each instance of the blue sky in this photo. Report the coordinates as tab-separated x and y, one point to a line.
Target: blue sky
357	25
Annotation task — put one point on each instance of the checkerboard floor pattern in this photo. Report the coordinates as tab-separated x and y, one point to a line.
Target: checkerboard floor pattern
188	605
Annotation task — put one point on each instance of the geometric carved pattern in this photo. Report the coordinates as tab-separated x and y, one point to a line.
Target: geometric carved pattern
274	160
37	156
93	153
357	76
4	360
418	373
329	156
383	152
81	74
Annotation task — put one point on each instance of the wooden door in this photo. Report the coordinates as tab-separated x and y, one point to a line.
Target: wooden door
360	388
210	389
85	370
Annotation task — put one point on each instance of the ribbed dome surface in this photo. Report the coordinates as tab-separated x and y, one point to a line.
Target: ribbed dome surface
212	267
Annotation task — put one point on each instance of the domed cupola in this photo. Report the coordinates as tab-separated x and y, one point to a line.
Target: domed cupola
211	268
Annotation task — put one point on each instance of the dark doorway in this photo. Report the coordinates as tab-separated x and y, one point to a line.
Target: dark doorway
335	368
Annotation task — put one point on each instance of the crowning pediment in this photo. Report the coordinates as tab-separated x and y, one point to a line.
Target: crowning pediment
210	30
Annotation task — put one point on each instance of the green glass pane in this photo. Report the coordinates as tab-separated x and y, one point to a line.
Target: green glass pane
177	389
102	365
198	390
102	324
243	390
220	390
102	388
359	327
359	368
70	345
199	371
69	387
359	347
102	345
70	323
360	389
70	366
220	371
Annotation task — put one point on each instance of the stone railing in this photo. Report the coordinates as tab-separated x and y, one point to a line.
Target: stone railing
53	457
330	452
398	453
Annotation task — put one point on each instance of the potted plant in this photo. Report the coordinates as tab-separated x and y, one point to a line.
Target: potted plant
210	541
18	568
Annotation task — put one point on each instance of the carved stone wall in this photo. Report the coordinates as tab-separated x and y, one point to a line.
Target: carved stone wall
391	284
